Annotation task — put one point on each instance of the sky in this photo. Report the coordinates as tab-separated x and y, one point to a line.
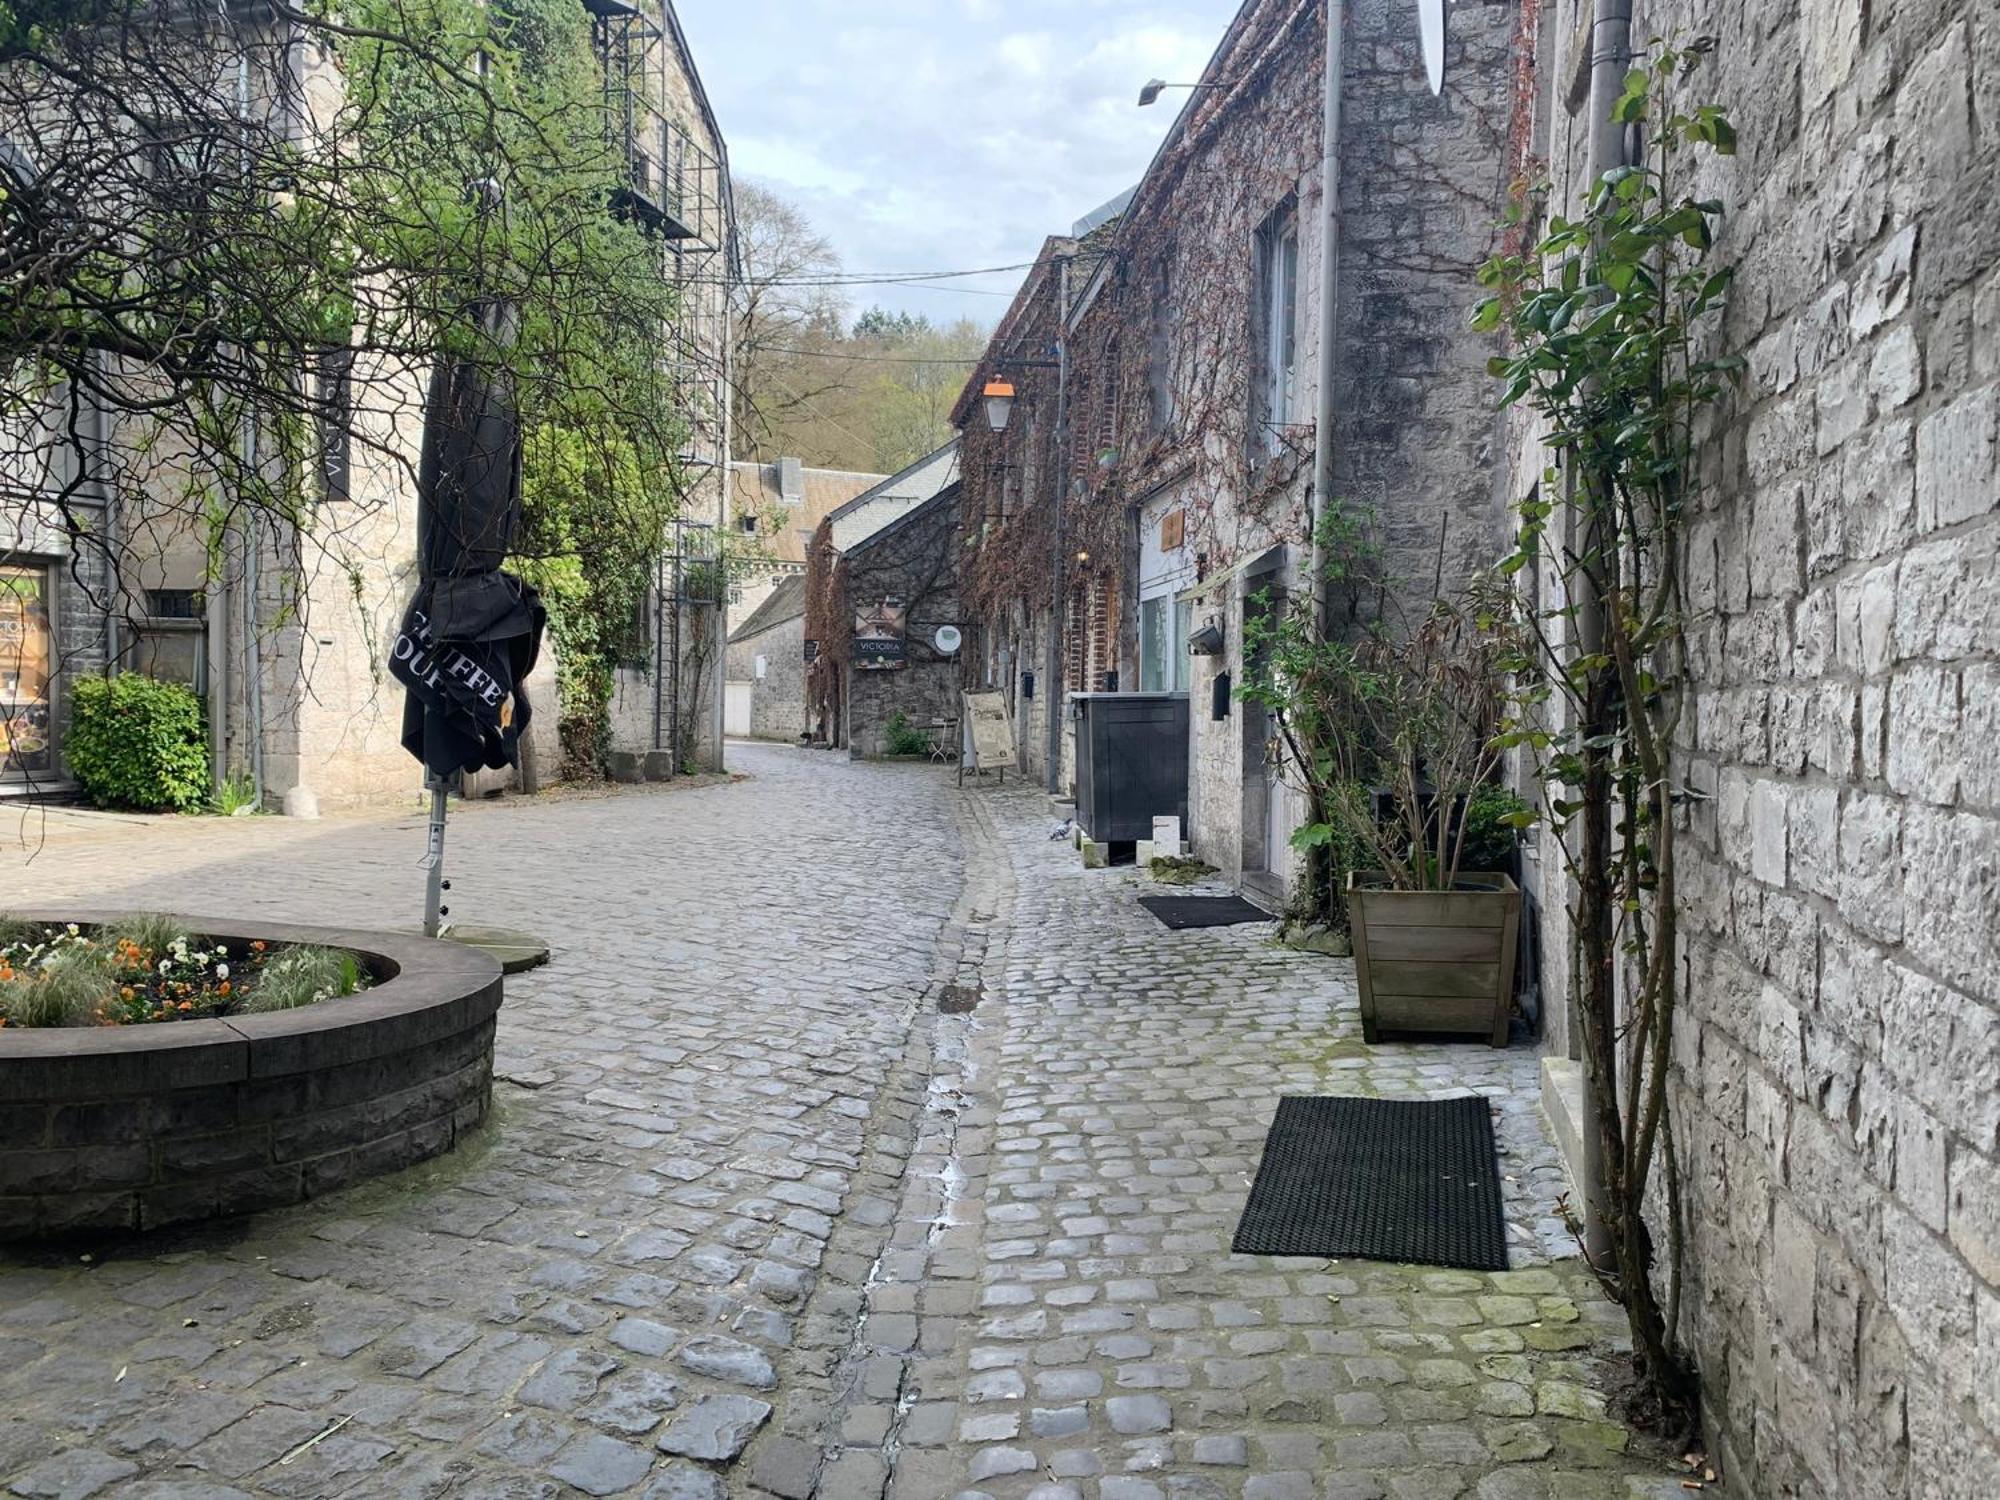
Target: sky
924	135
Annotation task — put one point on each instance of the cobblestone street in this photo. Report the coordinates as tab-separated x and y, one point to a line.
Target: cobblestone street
756	1215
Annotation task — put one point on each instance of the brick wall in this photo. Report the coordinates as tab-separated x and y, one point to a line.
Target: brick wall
1838	1092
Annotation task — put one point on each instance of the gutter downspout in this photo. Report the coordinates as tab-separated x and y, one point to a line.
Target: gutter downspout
1329	304
253	666
1054	697
1610	57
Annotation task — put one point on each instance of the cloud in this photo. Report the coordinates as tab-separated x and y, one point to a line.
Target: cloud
926	134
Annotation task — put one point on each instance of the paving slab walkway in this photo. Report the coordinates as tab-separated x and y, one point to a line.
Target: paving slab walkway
855	1142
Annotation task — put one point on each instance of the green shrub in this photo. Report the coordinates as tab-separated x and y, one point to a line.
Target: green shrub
300	976
903	738
139	744
1489	835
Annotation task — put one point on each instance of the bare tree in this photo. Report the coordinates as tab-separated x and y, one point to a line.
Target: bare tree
786	303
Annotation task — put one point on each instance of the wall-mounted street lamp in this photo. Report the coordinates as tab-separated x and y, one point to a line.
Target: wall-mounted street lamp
999	403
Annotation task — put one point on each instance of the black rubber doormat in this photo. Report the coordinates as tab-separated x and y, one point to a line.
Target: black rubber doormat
1203	911
1380	1179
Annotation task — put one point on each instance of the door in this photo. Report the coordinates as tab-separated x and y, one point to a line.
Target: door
1266	820
736	709
27	673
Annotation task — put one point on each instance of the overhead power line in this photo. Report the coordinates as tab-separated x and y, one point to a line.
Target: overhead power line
869	359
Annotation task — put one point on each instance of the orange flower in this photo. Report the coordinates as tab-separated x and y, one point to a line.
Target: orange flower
126	992
224	989
257	946
187	1005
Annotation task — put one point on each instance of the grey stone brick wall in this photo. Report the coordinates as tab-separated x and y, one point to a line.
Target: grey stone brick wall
1838	1087
915	560
138	1128
778	698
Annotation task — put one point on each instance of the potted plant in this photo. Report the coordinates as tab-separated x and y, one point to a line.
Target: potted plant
1434	925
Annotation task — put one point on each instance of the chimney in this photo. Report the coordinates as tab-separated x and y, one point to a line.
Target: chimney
792	481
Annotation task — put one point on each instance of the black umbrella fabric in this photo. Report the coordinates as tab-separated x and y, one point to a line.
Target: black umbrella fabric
473	632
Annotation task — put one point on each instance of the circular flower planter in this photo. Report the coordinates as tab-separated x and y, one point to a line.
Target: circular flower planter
138	1127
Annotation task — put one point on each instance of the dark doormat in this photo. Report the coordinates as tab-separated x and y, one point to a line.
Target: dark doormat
1203	911
1381	1179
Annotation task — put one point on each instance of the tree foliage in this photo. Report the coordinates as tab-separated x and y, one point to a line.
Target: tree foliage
235	240
873	394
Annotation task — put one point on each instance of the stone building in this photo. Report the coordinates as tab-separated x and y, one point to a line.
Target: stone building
1834	1094
766	682
774	509
1836	1100
882	578
283	638
1164	362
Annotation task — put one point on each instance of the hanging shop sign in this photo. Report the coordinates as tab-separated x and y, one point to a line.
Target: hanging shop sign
880	643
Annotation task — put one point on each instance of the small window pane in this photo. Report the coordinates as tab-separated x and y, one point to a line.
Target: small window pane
1154	648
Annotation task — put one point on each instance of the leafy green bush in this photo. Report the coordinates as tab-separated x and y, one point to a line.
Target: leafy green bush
139	744
903	738
1494	817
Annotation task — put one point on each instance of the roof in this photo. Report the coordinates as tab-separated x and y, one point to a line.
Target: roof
946	496
754	488
786	602
894	497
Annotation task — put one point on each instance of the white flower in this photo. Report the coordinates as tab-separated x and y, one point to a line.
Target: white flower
166	964
222	971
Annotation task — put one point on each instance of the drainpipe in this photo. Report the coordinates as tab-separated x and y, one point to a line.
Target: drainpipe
253	668
1053	696
1610	57
1329	302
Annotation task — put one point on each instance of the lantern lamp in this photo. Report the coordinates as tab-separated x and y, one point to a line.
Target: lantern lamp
999	404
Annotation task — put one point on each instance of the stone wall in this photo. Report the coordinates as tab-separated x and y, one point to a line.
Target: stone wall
778	698
141	1127
1836	1099
913	559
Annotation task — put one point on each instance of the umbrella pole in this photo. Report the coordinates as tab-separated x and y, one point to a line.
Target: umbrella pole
434	856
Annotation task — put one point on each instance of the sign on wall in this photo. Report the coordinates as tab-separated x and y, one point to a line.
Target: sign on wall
812	650
879	636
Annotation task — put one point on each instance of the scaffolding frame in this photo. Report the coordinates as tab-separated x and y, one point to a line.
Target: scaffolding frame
676	190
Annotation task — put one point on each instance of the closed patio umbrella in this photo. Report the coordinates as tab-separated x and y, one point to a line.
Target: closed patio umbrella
473	631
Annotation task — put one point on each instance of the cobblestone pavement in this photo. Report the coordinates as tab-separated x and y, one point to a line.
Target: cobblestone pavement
1089	1335
765	1209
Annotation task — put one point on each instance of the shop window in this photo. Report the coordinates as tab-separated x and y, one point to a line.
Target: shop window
27	671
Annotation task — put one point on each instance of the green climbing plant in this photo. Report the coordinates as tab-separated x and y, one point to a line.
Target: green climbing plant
1612	320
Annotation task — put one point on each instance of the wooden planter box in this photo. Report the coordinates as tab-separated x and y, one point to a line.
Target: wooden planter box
1435	960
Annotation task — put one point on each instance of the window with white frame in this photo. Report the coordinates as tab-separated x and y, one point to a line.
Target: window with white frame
1274	396
1165	619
